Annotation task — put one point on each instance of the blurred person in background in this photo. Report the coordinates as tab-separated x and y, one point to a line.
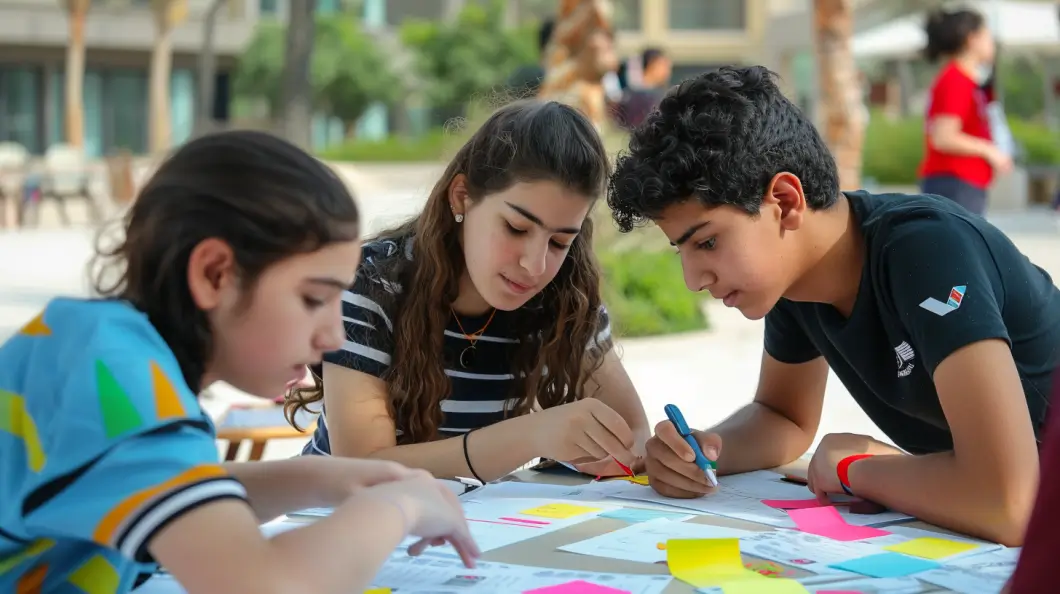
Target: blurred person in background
961	156
526	80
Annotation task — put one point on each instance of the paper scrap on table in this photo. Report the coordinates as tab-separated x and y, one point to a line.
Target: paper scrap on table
932	548
792	503
559	511
804	550
639	543
636	515
983	573
884	565
826	521
766	586
707	561
577	587
740	496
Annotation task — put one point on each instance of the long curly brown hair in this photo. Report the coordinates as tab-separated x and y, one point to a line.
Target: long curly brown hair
524	141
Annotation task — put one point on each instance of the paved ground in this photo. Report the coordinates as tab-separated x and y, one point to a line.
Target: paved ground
708	374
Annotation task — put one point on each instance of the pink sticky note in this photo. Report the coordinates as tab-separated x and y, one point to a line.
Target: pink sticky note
826	521
576	587
791	503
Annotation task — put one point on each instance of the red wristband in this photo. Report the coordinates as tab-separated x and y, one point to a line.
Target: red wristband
844	467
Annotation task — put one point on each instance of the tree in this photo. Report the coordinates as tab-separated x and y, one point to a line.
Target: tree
844	115
348	72
207	68
167	15
77	13
296	95
468	58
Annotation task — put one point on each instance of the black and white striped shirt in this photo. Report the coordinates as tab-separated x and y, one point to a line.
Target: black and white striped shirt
481	392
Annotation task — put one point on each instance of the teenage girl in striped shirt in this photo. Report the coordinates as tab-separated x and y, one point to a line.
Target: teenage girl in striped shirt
476	338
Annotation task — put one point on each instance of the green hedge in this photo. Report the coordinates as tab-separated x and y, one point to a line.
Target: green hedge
646	295
433	146
894	148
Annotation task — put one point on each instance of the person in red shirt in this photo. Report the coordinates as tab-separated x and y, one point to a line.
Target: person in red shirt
1036	570
960	157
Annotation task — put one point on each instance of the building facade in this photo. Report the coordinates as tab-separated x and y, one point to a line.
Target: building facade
119	35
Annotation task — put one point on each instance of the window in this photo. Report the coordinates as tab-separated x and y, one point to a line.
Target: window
627	15
707	15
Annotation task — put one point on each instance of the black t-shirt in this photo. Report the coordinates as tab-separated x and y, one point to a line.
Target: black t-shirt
936	278
482	382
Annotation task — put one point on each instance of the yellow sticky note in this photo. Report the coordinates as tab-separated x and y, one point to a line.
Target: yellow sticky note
704	562
559	511
763	586
932	548
378	591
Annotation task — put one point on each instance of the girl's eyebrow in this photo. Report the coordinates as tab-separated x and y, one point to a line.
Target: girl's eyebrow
537	221
328	281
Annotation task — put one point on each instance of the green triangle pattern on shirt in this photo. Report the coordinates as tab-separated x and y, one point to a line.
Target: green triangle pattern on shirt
119	413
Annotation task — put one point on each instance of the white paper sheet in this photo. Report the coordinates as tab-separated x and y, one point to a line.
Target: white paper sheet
639	542
979	574
740	496
900	534
805	551
864	585
438	573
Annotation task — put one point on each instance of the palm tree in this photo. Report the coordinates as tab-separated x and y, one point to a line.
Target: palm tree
77	12
843	114
207	69
167	15
296	102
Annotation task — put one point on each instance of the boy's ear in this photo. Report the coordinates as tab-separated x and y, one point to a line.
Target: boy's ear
784	194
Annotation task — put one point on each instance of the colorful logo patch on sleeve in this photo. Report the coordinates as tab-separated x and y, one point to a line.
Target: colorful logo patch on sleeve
953	302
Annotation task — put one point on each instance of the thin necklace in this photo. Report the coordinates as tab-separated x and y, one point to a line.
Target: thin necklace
467	356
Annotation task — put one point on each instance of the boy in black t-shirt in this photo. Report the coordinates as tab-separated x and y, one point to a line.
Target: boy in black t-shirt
942	331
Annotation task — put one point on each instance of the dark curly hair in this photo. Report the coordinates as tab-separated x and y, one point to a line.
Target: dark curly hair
719	138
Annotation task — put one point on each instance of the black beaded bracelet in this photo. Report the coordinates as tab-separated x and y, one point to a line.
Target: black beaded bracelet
467	458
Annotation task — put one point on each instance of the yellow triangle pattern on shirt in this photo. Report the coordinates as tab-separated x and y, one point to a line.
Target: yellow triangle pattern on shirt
15	419
37	548
167	400
96	576
36	327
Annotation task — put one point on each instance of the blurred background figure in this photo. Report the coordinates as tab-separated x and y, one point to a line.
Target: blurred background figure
647	78
961	157
526	80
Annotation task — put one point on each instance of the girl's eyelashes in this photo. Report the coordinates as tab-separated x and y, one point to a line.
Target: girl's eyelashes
516	231
707	244
312	302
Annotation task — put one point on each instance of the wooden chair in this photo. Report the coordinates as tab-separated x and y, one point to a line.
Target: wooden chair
67	175
258	425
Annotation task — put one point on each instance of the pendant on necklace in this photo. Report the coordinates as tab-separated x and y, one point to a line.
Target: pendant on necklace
467	357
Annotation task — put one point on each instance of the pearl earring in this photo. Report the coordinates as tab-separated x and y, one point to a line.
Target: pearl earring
459	218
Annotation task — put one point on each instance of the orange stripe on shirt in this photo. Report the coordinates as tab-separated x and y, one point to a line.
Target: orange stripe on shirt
108	526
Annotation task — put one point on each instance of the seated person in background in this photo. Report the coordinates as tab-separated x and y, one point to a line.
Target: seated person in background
476	338
941	330
110	464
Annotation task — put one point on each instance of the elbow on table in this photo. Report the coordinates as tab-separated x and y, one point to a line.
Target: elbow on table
1010	513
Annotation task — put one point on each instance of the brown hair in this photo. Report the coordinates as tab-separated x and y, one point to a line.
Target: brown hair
266	198
525	141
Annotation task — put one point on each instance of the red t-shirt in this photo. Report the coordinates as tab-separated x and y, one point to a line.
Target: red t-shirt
956	94
1036	571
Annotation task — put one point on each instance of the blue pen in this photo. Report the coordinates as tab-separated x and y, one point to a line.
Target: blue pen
678	419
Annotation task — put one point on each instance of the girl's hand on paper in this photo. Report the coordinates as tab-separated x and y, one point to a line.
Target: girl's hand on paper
583	432
432	513
670	462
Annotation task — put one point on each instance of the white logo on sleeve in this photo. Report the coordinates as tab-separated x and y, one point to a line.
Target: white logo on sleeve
904	355
953	302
